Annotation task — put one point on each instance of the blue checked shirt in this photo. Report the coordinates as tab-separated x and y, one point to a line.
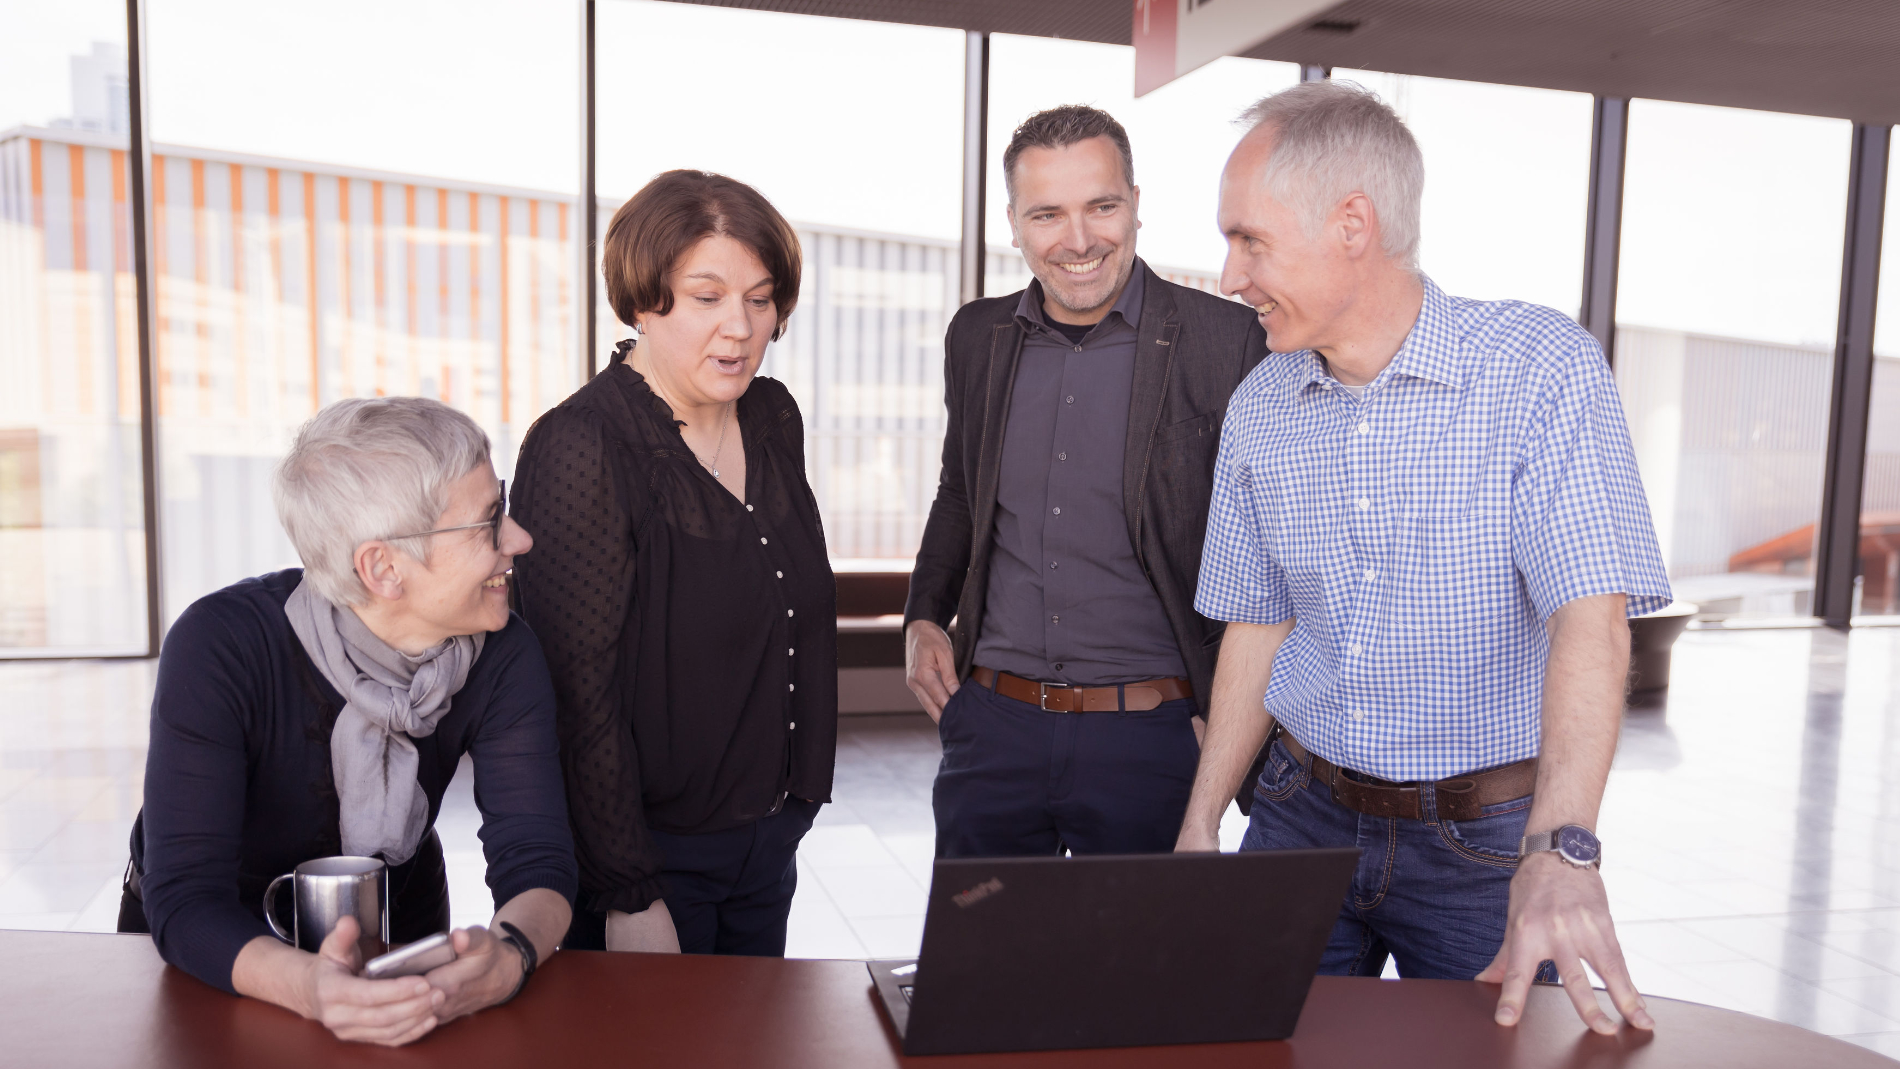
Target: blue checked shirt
1421	537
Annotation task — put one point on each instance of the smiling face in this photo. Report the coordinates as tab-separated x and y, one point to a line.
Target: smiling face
463	587
1074	216
1301	286
706	350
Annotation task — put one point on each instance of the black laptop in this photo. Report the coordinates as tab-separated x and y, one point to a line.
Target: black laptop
1056	953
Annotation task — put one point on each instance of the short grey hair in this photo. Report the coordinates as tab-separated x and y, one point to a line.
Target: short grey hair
1333	139
365	469
1060	127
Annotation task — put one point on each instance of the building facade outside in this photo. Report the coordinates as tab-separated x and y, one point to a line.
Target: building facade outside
283	285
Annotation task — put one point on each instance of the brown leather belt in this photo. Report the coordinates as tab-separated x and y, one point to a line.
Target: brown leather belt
1063	698
1459	797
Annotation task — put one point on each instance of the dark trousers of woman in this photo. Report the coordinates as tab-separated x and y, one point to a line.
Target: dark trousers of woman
729	892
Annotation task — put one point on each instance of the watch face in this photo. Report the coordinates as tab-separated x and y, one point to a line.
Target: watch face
1578	844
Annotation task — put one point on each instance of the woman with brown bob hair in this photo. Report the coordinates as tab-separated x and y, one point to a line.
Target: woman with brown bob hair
680	587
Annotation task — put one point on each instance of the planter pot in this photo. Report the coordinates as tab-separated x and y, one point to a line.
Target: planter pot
1652	636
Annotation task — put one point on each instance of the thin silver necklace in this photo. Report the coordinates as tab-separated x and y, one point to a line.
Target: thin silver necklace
724	421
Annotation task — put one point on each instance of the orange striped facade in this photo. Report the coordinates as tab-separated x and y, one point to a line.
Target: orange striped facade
279	287
282	287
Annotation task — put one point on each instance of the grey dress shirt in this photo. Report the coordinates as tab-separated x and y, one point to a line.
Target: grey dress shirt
1067	601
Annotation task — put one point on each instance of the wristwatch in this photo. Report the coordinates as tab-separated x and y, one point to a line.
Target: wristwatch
529	959
1572	842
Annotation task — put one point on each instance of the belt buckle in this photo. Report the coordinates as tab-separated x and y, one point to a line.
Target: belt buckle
1042	694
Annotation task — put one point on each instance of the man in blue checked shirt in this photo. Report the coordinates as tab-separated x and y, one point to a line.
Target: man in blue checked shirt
1426	535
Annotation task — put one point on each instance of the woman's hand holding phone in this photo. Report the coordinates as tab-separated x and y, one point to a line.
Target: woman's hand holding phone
484	972
389	1012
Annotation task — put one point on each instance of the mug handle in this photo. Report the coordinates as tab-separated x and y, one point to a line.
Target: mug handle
270	911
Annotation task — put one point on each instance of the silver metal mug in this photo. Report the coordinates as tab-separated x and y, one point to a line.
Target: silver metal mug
327	890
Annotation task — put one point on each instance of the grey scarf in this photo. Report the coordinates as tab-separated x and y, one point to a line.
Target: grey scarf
389	699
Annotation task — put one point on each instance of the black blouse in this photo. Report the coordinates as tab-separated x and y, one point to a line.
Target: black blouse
692	637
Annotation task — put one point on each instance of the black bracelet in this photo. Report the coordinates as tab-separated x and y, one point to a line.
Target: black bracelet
529	959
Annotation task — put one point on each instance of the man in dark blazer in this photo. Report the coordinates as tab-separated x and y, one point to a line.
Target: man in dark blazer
1065	540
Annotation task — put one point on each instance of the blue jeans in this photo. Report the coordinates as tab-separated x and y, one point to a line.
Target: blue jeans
1019	782
1431	893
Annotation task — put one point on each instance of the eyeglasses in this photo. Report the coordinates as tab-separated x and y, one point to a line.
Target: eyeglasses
493	522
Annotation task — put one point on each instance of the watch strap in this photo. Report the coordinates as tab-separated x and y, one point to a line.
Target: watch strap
1539	842
1536	843
529	958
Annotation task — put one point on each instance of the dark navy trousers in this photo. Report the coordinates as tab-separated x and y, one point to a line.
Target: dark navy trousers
1019	782
729	892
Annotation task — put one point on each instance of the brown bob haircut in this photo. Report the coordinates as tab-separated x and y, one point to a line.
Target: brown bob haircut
678	209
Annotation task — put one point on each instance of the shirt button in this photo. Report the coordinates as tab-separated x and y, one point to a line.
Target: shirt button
1358	714
1052	565
1357	648
748	508
791	686
1057	510
1062	456
781	575
788	612
1058	666
793	726
1078	348
1364	503
1364	428
1055	619
1069	400
1369	574
762	541
789	651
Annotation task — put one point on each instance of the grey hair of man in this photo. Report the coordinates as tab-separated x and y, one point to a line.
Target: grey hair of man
1333	139
1060	127
366	469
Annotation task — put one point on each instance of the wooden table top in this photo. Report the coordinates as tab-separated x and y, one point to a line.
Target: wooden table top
86	1000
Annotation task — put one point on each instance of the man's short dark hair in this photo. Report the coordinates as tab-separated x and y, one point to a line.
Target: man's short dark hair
1060	128
674	212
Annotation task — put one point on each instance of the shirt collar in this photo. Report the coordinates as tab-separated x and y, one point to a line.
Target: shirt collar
1029	310
1430	351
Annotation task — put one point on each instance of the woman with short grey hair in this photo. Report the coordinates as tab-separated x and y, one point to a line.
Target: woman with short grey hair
322	710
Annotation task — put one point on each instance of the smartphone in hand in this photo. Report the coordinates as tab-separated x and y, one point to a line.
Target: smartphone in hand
413	960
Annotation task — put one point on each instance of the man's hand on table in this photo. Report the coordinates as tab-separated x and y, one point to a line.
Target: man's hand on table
389	1012
650	930
1559	913
485	971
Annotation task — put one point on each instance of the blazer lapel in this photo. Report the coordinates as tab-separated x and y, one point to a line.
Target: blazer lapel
1154	367
1006	347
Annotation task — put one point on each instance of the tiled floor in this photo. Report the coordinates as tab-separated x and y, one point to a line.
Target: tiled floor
1751	829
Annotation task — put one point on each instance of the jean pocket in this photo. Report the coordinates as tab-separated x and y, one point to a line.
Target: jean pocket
1281	776
1491	839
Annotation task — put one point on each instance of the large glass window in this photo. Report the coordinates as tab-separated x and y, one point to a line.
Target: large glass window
72	536
349	202
854	131
1727	306
1880	497
1507	185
